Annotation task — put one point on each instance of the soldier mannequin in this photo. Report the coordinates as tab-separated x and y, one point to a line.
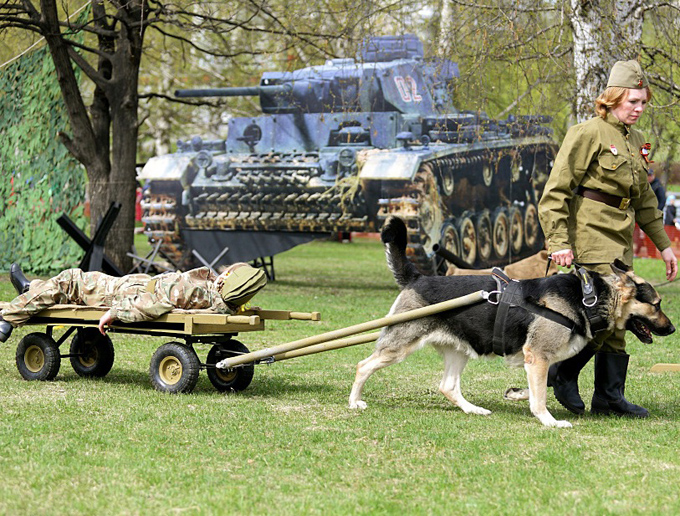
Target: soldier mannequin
596	192
131	298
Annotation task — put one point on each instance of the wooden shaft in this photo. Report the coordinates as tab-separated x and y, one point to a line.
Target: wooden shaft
469	299
327	346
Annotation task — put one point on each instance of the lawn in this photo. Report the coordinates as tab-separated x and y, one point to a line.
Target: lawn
289	444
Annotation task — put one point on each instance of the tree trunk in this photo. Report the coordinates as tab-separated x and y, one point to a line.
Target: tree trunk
604	32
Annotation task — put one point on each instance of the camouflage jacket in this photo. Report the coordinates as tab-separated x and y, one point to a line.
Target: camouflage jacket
602	155
138	297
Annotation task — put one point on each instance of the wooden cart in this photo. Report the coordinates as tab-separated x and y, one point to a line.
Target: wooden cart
175	366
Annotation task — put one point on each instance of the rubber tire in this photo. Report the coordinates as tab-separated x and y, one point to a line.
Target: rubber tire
174	368
233	381
44	351
98	350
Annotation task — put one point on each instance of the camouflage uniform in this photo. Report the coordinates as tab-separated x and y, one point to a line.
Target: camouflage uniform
132	298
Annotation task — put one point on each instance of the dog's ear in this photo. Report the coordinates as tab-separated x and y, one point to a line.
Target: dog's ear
619	267
622	270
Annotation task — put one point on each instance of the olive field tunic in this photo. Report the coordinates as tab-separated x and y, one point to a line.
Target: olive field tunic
601	155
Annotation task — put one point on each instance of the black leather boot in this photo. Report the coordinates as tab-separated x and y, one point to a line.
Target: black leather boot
610	384
5	329
563	378
19	281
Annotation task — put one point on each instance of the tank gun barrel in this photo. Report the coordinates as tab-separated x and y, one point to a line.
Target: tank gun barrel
238	91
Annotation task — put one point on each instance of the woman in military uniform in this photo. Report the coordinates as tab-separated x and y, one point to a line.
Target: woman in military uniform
596	192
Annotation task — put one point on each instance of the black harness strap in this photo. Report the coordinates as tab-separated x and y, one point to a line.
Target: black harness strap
597	322
512	294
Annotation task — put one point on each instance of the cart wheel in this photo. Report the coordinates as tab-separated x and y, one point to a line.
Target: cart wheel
38	357
235	380
94	353
174	368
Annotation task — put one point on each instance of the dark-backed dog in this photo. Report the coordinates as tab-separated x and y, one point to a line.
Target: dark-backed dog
625	301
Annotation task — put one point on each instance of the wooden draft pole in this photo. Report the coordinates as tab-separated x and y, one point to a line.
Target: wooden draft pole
389	320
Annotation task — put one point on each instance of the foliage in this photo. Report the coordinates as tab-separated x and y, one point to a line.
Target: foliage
40	180
289	445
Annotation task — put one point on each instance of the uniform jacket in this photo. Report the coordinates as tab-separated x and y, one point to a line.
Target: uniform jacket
602	155
191	290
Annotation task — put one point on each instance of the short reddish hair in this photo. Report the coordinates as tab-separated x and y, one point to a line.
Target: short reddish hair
612	97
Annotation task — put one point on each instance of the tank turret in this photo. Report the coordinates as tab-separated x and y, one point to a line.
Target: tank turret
342	145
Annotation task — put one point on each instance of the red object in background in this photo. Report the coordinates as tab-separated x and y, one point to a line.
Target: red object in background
644	248
138	206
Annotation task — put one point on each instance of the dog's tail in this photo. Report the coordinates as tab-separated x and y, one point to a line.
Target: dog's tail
394	236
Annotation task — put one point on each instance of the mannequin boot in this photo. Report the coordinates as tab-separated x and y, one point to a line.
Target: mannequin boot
19	281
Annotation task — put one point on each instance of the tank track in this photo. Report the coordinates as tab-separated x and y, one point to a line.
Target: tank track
479	237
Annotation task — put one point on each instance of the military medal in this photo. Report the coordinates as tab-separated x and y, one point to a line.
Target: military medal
644	151
613	148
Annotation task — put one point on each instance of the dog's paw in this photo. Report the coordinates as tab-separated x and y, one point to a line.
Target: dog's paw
358	405
557	424
474	409
516	394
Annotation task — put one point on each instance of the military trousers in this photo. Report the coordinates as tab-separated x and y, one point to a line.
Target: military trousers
72	286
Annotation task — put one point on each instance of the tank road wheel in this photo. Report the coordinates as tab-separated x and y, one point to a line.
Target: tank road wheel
174	368
501	233
238	378
93	353
531	228
468	239
448	182
484	236
516	230
430	213
38	357
450	242
487	173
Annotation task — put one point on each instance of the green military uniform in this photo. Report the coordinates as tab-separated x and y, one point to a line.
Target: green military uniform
601	155
132	298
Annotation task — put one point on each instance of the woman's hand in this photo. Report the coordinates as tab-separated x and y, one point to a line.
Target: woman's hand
106	320
564	257
671	263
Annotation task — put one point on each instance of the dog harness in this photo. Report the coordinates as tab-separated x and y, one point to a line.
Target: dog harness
510	294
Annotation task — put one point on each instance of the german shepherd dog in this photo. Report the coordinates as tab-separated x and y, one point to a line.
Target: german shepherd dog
625	300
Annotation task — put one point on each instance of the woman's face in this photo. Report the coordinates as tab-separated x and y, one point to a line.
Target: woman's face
630	110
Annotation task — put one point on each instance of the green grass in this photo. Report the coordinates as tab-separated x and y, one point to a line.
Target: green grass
289	444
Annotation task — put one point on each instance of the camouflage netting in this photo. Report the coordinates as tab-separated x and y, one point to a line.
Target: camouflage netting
39	179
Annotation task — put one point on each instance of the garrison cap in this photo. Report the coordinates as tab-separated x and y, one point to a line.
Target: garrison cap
241	284
627	74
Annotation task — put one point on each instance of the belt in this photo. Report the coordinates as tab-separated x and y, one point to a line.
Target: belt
614	201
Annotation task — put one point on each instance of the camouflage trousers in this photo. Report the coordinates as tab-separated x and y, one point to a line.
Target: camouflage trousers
73	286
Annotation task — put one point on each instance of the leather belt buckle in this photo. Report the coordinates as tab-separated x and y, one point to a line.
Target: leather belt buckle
625	202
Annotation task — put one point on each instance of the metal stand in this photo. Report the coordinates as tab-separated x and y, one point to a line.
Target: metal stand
211	264
267	266
148	260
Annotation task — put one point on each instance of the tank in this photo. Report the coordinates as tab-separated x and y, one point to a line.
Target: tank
341	146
